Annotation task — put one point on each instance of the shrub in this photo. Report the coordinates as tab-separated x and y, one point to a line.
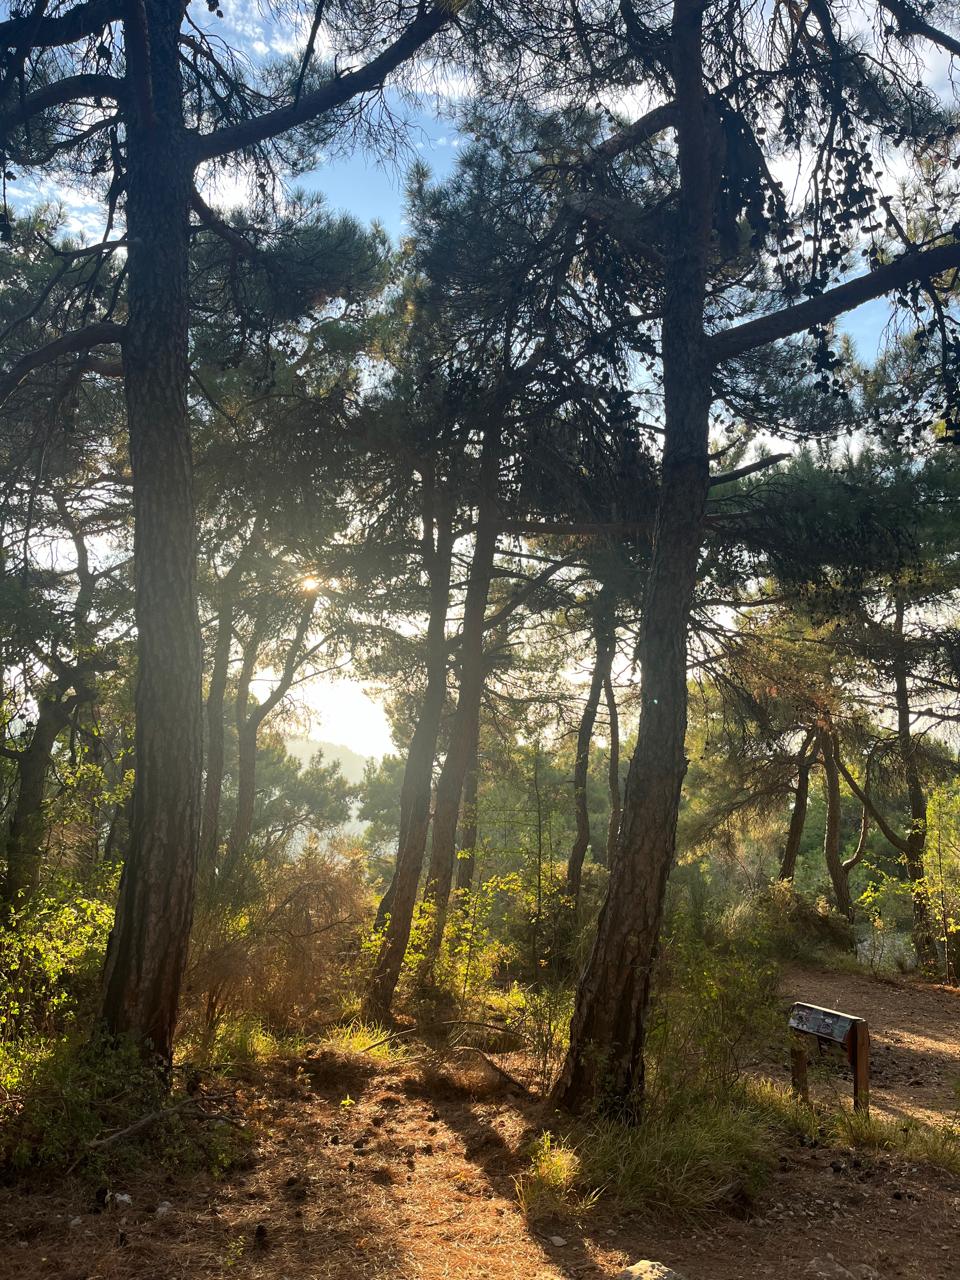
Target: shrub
51	954
276	958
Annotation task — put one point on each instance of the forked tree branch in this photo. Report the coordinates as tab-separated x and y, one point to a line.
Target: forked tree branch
94	335
59	93
250	133
78	23
912	24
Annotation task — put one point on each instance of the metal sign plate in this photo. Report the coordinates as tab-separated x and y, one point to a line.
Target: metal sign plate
827	1024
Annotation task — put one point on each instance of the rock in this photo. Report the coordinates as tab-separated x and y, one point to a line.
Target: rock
557	1241
646	1270
120	1201
162	1209
75	1223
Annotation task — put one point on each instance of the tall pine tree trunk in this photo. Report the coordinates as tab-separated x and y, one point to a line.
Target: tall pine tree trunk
798	817
465	728
924	933
604	1064
24	845
831	833
613	769
603	659
216	699
395	916
469	826
148	946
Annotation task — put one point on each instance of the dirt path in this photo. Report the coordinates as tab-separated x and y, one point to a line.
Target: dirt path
366	1173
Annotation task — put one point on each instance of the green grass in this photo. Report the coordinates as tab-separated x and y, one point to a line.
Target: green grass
701	1154
370	1038
552	1183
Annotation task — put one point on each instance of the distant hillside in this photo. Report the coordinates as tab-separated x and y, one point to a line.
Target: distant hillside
304	749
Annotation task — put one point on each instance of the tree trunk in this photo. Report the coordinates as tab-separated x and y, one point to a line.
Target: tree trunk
798	818
469	828
148	946
465	729
243	822
924	933
216	698
613	773
581	769
839	875
26	833
395	916
604	1064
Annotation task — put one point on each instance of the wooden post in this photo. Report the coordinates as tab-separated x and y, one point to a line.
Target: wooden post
860	1062
798	1070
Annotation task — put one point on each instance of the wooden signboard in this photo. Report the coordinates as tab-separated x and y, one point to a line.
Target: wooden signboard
828	1027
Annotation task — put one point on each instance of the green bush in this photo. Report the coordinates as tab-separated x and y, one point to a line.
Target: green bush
51	954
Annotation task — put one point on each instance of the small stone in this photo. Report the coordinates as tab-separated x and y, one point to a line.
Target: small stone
646	1270
75	1223
121	1201
162	1209
558	1242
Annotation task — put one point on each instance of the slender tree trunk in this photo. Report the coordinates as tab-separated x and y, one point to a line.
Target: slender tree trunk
613	769
243	821
395	916
26	833
839	876
798	818
924	932
581	769
216	698
148	946
469	827
465	729
604	1064
250	720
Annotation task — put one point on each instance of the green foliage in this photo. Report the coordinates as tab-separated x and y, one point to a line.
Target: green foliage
51	954
64	1099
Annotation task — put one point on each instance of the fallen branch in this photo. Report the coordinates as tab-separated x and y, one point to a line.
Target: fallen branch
97	1144
394	1035
504	1075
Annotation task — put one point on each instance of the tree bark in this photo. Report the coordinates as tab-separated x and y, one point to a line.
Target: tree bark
250	720
469	827
148	946
25	836
798	818
613	769
216	698
603	661
604	1064
831	834
924	933
465	729
395	916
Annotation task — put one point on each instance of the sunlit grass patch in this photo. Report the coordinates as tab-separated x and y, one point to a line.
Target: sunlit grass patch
370	1038
552	1184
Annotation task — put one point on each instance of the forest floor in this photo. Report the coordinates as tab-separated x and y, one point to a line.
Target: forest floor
363	1171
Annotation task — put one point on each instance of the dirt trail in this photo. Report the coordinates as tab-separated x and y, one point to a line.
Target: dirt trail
366	1173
